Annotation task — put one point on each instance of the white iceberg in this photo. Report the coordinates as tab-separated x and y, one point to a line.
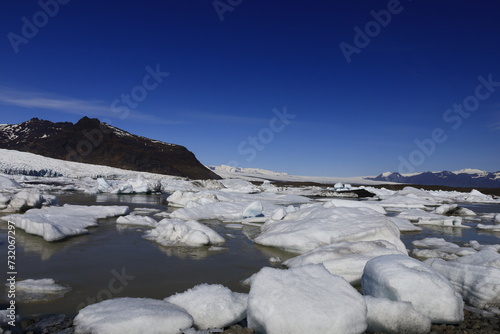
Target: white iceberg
404	225
306	299
55	223
346	259
422	217
315	226
494	228
395	317
182	198
176	232
406	201
479	285
131	316
254	209
486	257
439	248
24	200
453	209
136	220
401	278
354	204
212	306
6	183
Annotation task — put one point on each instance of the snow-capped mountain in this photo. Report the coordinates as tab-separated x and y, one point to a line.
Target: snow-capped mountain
94	142
463	178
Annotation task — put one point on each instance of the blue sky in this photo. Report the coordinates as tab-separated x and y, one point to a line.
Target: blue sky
327	88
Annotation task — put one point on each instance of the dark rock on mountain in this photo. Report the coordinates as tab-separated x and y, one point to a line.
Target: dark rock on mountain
94	142
463	178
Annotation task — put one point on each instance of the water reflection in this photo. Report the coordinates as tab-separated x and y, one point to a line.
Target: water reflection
191	253
135	198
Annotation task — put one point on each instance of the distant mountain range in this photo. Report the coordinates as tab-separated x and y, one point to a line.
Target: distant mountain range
91	141
472	178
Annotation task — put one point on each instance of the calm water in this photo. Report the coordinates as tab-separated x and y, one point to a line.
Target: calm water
114	261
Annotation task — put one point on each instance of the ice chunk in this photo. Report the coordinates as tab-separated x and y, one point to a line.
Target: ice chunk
354	204
401	278
55	223
453	209
346	259
181	198
241	186
176	232
253	209
306	299
406	201
486	257
132	315
395	317
404	225
479	285
137	220
428	218
315	226
37	290
439	248
495	227
212	306
7	183
25	200
496	219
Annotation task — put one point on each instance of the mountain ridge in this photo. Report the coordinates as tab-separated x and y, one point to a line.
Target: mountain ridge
91	141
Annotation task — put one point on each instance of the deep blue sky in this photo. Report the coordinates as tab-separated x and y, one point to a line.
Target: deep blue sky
226	78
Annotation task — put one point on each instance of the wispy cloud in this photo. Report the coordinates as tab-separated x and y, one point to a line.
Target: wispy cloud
96	108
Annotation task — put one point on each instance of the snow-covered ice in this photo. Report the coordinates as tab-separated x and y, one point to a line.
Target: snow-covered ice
131	316
212	306
404	225
37	290
401	278
314	226
58	222
486	257
453	209
439	248
136	220
306	299
406	201
395	317
254	209
354	204
176	232
28	199
479	285
346	259
7	183
422	217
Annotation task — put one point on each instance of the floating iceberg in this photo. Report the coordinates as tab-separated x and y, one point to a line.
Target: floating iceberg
479	285
401	278
254	209
131	186
137	220
28	199
6	183
132	315
306	299
439	248
176	232
404	225
212	306
315	226
55	223
354	204
453	209
395	317
406	201
422	217
346	259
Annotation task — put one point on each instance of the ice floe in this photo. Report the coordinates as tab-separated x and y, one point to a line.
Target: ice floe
176	232
212	306
354	204
395	317
132	315
130	186
58	222
314	226
136	220
439	248
38	290
28	199
306	299
453	209
422	217
7	183
401	278
346	259
404	225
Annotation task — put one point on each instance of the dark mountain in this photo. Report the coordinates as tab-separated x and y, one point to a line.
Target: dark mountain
472	178
94	142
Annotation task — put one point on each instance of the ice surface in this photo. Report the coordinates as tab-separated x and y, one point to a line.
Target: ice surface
137	220
6	183
131	316
238	185
453	209
495	227
314	226
346	259
182	198
354	204
24	200
254	209
306	299
37	290
138	185
479	285
439	248
55	223
395	317
176	232
486	257
401	278
406	201
404	225
428	218
212	306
